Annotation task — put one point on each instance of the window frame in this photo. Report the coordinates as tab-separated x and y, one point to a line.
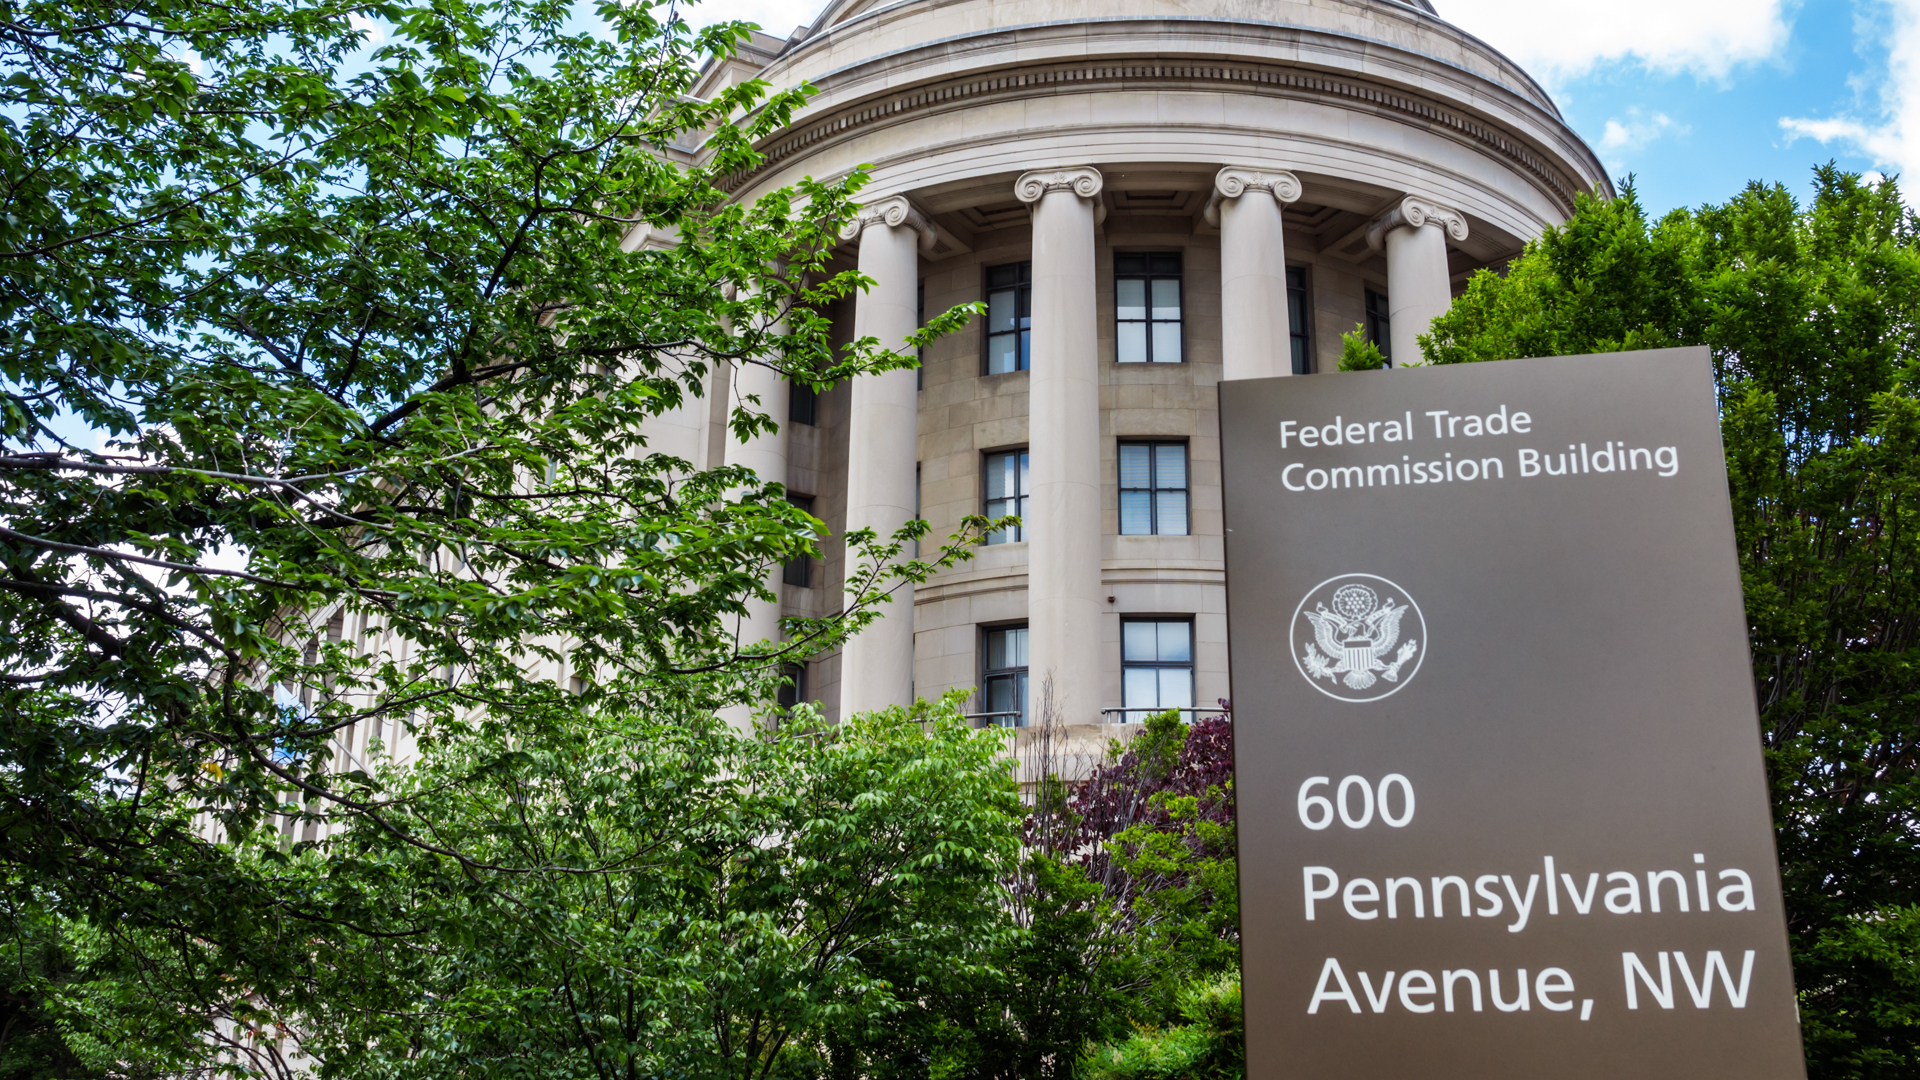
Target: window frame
1025	473
1022	289
1301	339
1153	488
1190	665
1379	323
1020	674
801	567
793	685
1151	274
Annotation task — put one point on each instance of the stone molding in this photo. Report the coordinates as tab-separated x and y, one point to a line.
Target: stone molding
1236	180
1413	212
895	211
1083	180
1263	79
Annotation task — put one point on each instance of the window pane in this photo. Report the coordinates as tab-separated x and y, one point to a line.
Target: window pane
1168	264
1166	298
1171	513
1001	357
998	476
1129	264
1299	355
999	311
1134	471
1000	696
1130	346
1017	646
1170	466
1023	479
1166	342
1176	687
1175	642
1130	298
1140	687
1025	359
1139	641
1136	513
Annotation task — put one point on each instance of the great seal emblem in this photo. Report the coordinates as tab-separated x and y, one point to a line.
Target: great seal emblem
1358	637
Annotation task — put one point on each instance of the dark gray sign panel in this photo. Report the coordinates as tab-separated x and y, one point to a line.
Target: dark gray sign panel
1502	810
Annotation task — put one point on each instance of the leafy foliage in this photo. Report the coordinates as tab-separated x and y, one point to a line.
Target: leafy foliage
373	333
1813	316
1359	354
1211	1045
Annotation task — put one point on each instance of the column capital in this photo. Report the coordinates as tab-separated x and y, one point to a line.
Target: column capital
895	211
1413	212
1083	180
1236	180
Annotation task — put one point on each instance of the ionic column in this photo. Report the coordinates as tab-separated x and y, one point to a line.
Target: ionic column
766	454
876	667
1419	288
1063	436
1255	338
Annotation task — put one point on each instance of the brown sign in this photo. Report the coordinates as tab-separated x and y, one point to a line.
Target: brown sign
1502	810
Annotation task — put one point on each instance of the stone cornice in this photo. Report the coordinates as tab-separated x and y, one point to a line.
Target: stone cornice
1235	181
1253	78
1083	180
1413	212
895	211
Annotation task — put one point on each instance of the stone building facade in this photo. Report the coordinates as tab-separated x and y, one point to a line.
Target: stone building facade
1151	196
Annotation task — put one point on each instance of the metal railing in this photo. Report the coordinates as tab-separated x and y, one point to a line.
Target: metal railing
1143	713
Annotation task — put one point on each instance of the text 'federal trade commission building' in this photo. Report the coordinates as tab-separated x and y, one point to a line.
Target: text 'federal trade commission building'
1149	197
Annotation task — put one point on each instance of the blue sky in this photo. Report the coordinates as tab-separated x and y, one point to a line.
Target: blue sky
1694	97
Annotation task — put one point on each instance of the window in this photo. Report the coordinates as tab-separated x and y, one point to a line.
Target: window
1156	666
1153	489
1006	489
1377	327
801	403
1003	676
1146	292
1009	318
799	570
793	685
1297	318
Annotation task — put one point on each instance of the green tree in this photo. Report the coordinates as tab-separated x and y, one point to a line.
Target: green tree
1813	315
360	330
755	895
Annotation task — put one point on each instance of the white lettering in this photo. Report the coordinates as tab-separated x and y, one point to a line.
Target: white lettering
1308	874
1360	891
1744	885
1631	966
1321	993
1521	907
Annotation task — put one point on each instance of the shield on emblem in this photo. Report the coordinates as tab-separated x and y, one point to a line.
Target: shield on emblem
1359	658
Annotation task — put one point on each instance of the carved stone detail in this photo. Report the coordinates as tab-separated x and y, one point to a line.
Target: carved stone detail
1083	180
895	211
1413	212
1235	181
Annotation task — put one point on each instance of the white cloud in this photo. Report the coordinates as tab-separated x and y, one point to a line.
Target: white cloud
1637	131
374	33
1891	135
1567	39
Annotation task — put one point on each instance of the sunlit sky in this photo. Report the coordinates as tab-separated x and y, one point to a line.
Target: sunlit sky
1693	97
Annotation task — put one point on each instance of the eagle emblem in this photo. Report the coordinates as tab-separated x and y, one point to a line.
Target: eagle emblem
1353	628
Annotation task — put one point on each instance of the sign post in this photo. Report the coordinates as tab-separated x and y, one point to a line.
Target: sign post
1502	809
